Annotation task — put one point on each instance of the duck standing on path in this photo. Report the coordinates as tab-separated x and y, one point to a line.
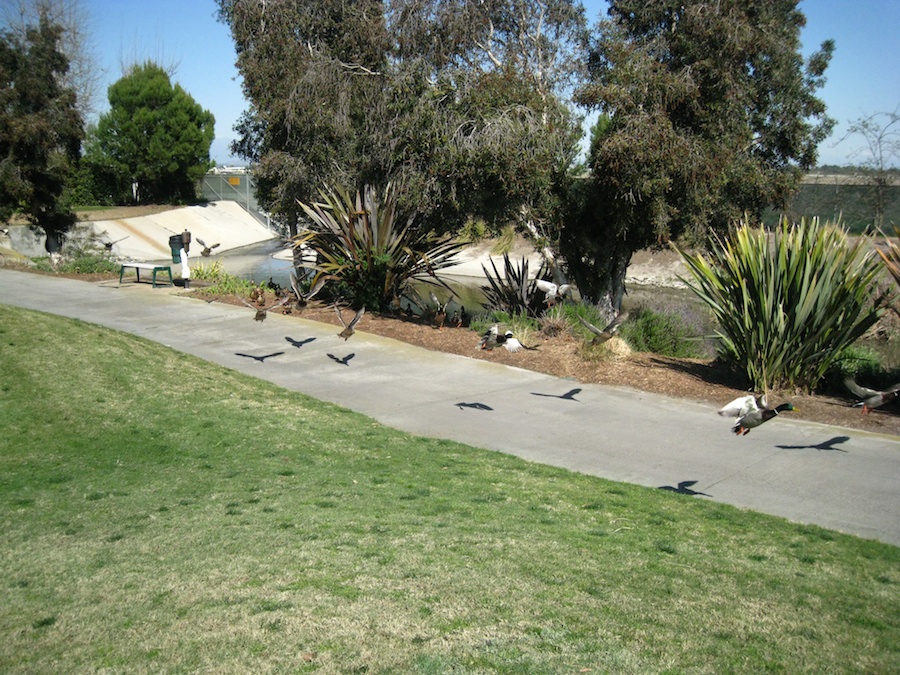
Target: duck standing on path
871	398
751	411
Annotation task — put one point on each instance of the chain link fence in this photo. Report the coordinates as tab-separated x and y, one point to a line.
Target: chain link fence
235	185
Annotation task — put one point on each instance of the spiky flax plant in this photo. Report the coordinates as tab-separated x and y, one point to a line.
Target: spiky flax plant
372	251
786	304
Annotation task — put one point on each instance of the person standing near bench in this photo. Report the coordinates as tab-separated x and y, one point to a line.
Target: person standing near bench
181	245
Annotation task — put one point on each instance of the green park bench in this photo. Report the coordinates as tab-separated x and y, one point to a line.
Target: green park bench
138	266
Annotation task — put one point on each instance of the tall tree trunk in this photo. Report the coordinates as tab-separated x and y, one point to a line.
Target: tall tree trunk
596	249
599	273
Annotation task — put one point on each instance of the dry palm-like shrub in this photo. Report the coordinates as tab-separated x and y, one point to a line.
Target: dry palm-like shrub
554	322
787	305
512	292
362	241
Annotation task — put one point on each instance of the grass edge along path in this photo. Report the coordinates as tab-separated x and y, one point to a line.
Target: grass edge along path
163	514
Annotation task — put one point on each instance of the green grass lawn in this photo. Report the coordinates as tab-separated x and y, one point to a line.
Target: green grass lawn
162	514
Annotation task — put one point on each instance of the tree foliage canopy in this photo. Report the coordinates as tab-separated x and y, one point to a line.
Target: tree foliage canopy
40	129
711	114
457	102
155	136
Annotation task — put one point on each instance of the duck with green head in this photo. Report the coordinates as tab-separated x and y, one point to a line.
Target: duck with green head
751	411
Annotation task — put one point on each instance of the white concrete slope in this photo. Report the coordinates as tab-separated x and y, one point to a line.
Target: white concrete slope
147	237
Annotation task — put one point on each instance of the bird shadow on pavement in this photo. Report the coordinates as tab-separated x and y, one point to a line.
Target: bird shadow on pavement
261	358
474	405
824	445
342	360
568	396
298	343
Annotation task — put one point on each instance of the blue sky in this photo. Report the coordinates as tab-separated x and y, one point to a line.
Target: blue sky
863	78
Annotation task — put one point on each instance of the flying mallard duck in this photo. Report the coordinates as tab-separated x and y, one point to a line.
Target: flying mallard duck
349	328
304	298
871	398
109	244
553	293
601	336
751	411
207	250
261	312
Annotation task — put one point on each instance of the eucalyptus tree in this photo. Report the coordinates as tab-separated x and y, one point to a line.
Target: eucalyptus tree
710	112
40	130
457	102
499	75
313	71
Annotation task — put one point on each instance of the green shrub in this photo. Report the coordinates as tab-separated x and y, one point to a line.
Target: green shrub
789	304
661	332
554	322
85	263
81	254
857	361
212	272
222	283
90	264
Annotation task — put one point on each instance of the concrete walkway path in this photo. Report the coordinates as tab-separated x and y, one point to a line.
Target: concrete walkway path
811	473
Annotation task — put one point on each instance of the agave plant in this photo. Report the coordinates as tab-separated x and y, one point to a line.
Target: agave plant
513	292
362	241
787	305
